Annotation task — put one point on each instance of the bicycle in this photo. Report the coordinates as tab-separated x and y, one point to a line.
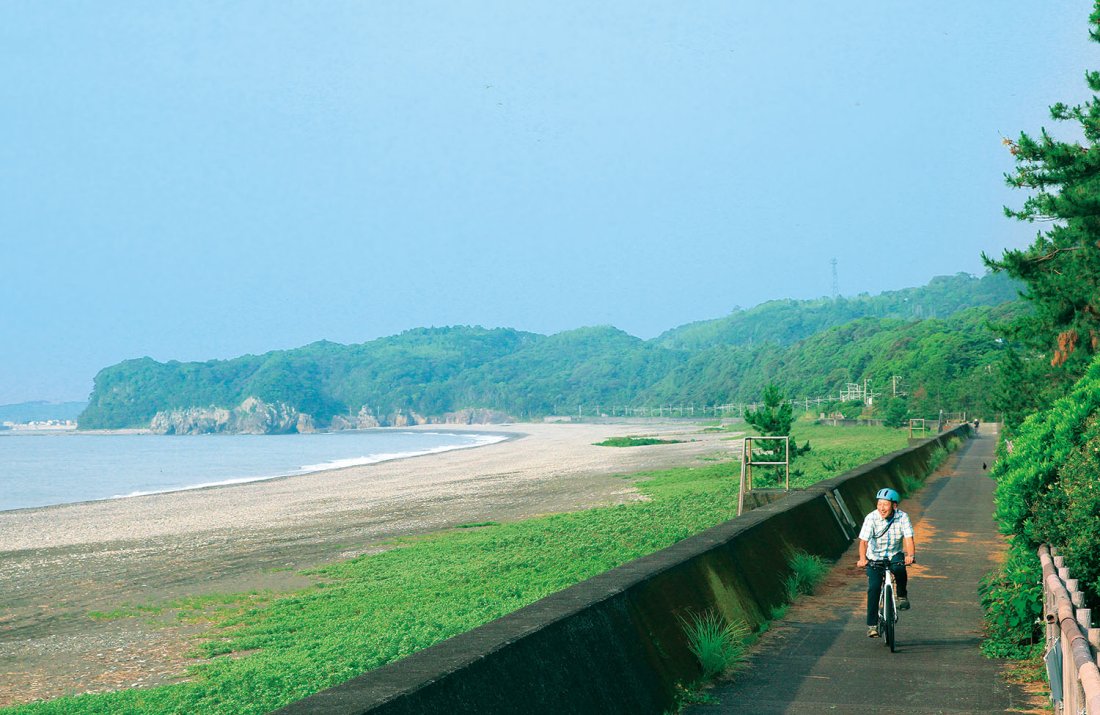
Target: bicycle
887	605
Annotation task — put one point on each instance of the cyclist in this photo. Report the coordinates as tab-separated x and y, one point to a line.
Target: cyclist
887	535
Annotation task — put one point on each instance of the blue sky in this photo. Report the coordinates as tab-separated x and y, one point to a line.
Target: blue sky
201	180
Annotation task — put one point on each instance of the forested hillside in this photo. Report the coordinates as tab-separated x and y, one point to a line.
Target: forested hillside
950	363
787	321
811	348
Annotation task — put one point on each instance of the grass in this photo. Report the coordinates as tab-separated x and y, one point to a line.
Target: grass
718	644
835	451
262	653
807	571
632	441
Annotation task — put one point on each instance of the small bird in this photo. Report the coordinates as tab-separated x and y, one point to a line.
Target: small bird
983	466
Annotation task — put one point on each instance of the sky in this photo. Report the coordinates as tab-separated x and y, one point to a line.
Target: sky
201	180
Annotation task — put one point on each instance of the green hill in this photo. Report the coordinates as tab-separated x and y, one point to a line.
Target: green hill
787	321
949	363
810	347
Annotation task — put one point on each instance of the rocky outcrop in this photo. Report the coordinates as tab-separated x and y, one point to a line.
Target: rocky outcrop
364	420
476	417
252	416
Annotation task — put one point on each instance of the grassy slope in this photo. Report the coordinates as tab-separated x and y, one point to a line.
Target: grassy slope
375	609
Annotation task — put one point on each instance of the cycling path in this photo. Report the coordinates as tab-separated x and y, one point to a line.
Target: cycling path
819	658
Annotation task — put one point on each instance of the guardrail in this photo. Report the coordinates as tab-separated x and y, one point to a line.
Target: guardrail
1072	642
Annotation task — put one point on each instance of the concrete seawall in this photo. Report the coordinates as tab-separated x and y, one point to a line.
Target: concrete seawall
616	642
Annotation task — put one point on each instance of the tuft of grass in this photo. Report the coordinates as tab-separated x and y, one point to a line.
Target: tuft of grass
632	441
807	571
478	524
717	643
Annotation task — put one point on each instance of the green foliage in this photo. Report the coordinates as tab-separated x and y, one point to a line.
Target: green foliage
1047	493
1046	472
717	643
784	322
896	413
1012	598
630	441
944	363
775	417
1061	269
378	608
807	571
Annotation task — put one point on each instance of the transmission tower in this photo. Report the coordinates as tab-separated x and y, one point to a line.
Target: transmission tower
836	282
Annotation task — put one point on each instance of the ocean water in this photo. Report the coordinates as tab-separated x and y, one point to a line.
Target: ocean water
60	468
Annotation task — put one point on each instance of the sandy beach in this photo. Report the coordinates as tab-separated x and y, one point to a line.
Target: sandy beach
58	564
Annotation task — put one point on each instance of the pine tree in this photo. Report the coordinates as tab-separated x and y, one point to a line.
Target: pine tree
775	417
1061	269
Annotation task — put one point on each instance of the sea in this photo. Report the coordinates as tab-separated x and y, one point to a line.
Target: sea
43	469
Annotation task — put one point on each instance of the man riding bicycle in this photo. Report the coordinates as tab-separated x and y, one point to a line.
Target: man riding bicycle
886	537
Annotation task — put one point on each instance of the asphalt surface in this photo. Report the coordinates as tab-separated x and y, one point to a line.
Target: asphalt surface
819	658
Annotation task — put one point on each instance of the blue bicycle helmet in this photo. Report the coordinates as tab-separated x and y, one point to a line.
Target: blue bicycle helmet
889	494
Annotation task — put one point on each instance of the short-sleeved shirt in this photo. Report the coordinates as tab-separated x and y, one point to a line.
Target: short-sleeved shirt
885	537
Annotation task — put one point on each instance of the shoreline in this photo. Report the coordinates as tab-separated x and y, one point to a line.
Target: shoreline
67	561
306	470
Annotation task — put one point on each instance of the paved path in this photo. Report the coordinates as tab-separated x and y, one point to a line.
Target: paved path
819	657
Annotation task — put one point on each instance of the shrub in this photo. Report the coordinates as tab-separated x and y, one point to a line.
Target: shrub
1012	598
1046	493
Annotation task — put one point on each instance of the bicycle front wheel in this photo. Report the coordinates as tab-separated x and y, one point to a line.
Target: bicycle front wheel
890	619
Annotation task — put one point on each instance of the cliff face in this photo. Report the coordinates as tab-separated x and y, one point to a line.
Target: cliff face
475	417
252	416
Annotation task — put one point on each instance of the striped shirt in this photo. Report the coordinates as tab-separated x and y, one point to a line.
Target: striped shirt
884	537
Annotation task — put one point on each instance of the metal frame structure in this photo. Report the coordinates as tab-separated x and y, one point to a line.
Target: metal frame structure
913	424
747	463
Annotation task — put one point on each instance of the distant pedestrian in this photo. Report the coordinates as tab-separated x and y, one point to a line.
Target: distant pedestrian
975	425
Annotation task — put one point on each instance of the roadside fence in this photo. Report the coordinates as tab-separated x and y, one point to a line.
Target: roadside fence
1072	643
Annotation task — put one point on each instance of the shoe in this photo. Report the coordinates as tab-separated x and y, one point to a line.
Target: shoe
903	603
872	631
